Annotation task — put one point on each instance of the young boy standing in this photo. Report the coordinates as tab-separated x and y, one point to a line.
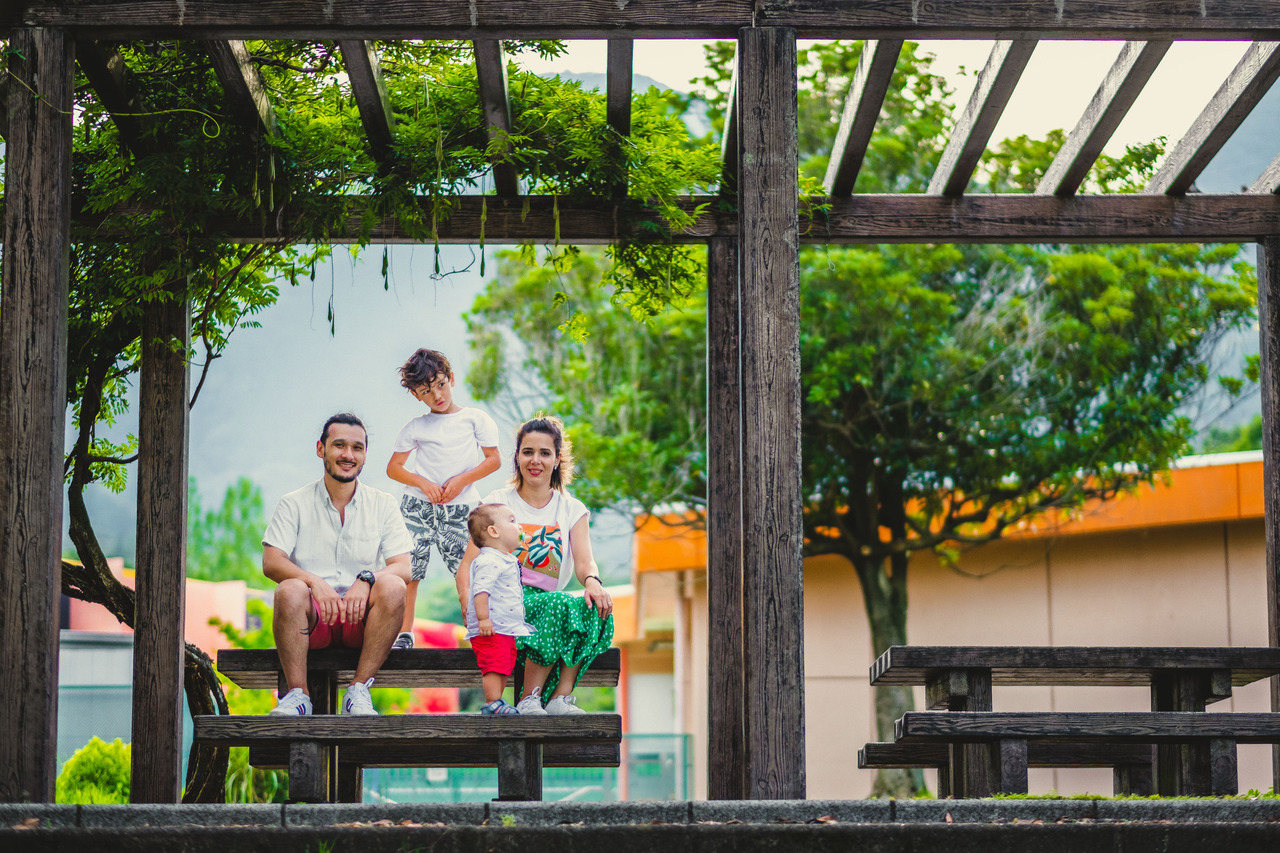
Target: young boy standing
439	457
495	604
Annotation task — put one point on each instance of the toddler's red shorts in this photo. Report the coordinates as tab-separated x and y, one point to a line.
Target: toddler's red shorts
495	653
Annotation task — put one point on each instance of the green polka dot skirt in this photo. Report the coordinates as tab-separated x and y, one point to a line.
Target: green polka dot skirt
570	633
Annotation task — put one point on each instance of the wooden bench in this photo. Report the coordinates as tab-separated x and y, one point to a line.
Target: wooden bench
326	754
513	744
1131	764
1180	679
1008	737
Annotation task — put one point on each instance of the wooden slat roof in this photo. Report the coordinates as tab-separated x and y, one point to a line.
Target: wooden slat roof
944	214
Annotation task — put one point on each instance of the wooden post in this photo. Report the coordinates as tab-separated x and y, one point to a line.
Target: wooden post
772	612
1269	329
33	400
725	696
161	554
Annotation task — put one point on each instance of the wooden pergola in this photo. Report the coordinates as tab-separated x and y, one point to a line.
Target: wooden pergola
756	728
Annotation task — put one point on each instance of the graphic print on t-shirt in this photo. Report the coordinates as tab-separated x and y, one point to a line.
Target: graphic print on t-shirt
540	555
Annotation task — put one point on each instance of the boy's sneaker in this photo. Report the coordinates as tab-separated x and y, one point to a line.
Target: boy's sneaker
295	703
498	708
564	706
531	705
403	641
357	701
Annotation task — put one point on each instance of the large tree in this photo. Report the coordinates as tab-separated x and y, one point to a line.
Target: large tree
950	391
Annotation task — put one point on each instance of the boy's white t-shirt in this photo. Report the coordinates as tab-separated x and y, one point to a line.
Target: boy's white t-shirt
444	446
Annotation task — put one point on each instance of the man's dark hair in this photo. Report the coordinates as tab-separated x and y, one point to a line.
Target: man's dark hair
423	367
343	418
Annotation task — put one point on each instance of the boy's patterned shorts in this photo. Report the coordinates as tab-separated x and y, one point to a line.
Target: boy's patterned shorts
441	525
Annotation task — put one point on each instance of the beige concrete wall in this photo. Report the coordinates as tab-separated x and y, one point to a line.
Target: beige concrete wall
1192	585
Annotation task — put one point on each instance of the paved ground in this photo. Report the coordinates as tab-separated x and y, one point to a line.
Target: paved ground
868	826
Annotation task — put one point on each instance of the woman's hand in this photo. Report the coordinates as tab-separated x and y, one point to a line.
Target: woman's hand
598	597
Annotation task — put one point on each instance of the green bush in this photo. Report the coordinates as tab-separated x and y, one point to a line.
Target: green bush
97	773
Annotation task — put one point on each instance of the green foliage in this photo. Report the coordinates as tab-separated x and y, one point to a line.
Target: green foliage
1247	436
249	784
225	543
633	390
98	773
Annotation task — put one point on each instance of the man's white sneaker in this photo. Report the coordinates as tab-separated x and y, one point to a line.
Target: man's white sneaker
563	706
357	701
295	703
531	705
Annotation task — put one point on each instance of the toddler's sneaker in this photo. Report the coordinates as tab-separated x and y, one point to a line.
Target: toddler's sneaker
358	701
564	706
295	703
531	705
498	708
403	641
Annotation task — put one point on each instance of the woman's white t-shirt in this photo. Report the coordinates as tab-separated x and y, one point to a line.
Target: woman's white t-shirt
546	558
443	446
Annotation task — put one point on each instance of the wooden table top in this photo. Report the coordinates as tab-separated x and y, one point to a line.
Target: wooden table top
258	668
1073	665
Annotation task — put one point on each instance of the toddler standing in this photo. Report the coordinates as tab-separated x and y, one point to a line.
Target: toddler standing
451	448
495	603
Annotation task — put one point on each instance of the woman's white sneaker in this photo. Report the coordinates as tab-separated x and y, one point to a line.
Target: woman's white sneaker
295	703
531	705
563	706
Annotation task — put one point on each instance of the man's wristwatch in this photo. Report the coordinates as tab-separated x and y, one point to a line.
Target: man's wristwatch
366	576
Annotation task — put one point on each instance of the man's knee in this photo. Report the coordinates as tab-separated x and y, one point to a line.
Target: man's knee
388	591
292	595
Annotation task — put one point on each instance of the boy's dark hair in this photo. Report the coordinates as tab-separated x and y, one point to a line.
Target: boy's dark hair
343	418
422	368
480	519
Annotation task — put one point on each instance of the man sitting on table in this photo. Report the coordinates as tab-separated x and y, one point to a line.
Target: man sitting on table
326	548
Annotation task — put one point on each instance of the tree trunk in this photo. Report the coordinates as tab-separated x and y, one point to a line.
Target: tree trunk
887	617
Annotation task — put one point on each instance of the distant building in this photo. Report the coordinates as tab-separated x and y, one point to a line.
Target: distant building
1179	563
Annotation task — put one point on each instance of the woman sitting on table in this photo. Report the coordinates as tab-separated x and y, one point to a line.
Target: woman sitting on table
571	630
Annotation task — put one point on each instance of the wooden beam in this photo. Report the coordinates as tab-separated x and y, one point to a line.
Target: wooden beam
1118	218
491	72
158	639
4	112
537	19
1235	99
773	607
1120	88
973	130
618	95
245	90
973	218
33	353
726	697
109	77
365	73
1269	180
1269	346
618	85
861	110
730	139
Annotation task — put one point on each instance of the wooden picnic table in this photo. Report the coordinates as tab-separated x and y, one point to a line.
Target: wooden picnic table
1181	679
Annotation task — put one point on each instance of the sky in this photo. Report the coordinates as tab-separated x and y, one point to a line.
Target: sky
264	401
